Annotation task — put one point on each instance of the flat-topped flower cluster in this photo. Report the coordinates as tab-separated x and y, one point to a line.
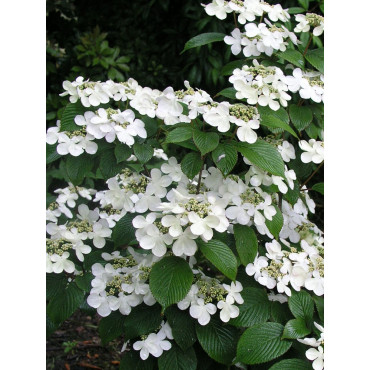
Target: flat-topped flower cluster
172	214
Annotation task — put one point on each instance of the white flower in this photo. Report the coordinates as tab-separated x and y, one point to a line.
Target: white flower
185	244
255	267
173	169
228	310
274	251
286	151
100	231
234	40
153	344
219	8
202	311
81	249
190	298
62	263
158	184
318	356
219	117
234	290
203	226
314	151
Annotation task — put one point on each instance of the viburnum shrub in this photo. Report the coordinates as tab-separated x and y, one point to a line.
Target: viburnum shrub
185	221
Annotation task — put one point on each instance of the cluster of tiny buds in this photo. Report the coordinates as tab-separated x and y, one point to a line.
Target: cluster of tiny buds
80	132
124	262
211	290
57	246
201	209
252	197
161	228
81	226
314	20
109	210
138	187
145	272
259	70
180	94
243	112
114	287
273	140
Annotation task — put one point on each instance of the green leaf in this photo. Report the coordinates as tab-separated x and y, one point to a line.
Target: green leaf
262	343
191	164
132	361
124	232
51	153
300	116
78	167
246	243
221	256
281	113
292	56
143	152
274	122
55	284
228	69
218	340
179	134
292	195
170	280
183	327
111	327
65	303
280	312
316	58
177	359
108	164
319	187
276	224
295	328
67	123
205	141
304	4
229	92
254	310
203	39
142	320
301	305
84	281
229	157
50	327
151	125
319	303
292	364
122	152
264	156
295	10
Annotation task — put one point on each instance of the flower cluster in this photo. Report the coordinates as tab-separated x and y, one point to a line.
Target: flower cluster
75	235
260	84
279	267
154	343
308	20
122	283
309	84
207	294
247	10
261	38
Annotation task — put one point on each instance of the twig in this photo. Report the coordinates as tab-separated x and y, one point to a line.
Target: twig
312	175
200	175
308	44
